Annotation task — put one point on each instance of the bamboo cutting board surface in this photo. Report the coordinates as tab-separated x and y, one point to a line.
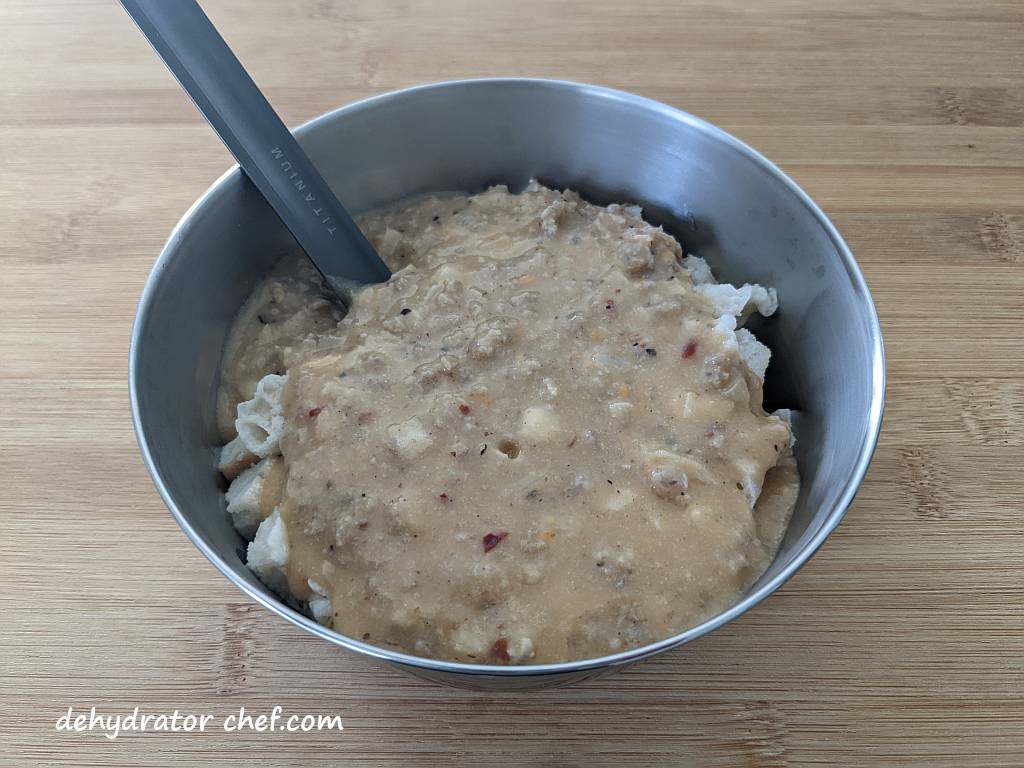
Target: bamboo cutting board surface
901	643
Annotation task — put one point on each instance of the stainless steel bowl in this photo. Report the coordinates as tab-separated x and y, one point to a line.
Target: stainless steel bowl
719	197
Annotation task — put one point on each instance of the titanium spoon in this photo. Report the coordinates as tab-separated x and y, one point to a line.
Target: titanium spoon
204	65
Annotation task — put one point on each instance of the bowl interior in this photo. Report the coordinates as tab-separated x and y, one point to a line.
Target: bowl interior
718	198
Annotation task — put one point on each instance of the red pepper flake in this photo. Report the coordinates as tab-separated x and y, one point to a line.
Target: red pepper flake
491	540
444	497
464	409
312	413
689	348
571	443
500	649
365	418
362	526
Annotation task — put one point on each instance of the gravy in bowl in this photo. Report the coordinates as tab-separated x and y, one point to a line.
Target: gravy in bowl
541	440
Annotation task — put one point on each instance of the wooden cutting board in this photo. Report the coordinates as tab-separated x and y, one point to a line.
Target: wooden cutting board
901	643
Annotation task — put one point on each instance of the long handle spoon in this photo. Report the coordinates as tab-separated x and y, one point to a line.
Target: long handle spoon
206	68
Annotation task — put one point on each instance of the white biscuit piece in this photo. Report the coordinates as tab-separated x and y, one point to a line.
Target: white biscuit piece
726	325
268	553
700	272
732	303
727	299
752	352
260	422
244	495
320	603
235	457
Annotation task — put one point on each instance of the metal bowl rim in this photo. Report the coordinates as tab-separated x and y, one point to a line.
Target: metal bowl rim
833	518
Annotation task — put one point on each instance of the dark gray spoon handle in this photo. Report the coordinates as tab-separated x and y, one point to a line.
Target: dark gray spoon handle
198	57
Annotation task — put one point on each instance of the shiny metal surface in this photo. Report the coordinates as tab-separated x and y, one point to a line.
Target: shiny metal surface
208	71
719	197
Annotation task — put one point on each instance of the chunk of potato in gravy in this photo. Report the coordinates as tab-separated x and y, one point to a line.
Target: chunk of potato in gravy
537	442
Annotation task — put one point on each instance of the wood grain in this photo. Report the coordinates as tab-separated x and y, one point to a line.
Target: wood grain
901	643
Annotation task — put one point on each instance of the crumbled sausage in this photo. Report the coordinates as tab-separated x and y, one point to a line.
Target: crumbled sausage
636	254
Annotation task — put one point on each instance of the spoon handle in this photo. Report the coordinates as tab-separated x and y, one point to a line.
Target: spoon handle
206	68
